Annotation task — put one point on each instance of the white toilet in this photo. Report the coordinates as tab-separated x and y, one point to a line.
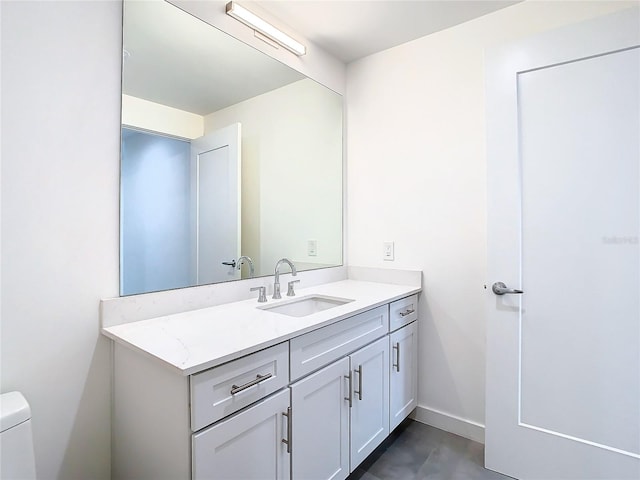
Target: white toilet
17	460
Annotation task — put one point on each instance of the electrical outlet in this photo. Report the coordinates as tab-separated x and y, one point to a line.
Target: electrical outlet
387	251
312	248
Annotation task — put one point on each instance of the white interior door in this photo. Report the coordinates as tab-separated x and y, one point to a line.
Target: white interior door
563	359
216	172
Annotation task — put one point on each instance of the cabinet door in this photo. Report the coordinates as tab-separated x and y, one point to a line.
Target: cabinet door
404	373
320	437
370	411
247	445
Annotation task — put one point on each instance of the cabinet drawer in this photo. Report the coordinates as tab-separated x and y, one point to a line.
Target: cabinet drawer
316	349
222	390
402	312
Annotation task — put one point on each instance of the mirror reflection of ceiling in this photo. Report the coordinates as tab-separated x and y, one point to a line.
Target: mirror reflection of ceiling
173	59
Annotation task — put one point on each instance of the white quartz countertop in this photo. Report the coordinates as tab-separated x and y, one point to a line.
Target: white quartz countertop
192	341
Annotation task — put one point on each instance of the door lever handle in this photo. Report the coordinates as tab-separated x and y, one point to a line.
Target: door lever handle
500	288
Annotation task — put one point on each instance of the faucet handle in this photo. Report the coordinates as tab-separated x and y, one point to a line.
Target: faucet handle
262	297
290	292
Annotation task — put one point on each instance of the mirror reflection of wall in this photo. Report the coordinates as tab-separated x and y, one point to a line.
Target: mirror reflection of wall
291	138
183	80
155	205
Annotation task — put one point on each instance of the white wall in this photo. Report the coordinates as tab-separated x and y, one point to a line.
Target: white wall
155	230
60	183
60	145
416	176
291	173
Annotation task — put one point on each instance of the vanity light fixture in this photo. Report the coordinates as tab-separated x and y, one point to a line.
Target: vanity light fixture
254	21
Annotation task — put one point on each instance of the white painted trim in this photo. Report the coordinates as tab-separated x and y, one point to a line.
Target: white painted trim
449	423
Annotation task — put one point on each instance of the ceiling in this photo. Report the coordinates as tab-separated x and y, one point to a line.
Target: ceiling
352	29
179	61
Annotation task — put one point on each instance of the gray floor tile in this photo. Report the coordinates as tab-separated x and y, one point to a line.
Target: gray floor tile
418	451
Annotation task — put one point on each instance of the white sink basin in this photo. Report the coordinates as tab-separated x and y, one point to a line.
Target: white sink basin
308	305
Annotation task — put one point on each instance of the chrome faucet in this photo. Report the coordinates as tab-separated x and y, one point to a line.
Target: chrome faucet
242	259
276	283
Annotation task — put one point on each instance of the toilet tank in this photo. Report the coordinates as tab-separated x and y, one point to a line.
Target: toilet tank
17	460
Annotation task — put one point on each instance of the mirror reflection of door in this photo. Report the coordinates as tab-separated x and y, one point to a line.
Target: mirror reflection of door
216	164
180	210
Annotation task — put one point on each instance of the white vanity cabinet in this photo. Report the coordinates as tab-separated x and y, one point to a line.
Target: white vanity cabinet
403	349
311	407
225	422
341	412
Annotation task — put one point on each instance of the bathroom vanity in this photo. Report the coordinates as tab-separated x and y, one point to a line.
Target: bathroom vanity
300	388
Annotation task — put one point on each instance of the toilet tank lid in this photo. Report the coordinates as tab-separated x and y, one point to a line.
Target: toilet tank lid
14	410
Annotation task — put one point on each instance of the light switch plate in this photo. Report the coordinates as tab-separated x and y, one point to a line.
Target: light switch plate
312	248
387	251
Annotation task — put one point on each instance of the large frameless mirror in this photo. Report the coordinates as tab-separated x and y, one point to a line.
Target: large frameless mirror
230	160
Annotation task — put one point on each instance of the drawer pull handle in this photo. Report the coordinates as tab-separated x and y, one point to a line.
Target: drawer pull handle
359	391
350	397
259	378
396	347
287	441
409	311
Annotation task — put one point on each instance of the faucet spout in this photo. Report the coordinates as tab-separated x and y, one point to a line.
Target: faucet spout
248	260
276	283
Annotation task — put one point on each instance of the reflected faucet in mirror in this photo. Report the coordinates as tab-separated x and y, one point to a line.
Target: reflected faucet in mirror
276	283
248	260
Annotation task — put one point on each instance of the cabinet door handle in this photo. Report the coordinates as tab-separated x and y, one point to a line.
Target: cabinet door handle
287	441
259	378
408	311
359	391
396	347
350	397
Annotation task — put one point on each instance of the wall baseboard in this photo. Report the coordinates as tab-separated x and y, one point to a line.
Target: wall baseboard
449	423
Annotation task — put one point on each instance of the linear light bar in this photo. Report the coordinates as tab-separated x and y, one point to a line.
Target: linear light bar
254	21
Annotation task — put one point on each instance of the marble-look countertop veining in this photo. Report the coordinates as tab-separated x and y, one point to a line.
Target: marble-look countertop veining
192	341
